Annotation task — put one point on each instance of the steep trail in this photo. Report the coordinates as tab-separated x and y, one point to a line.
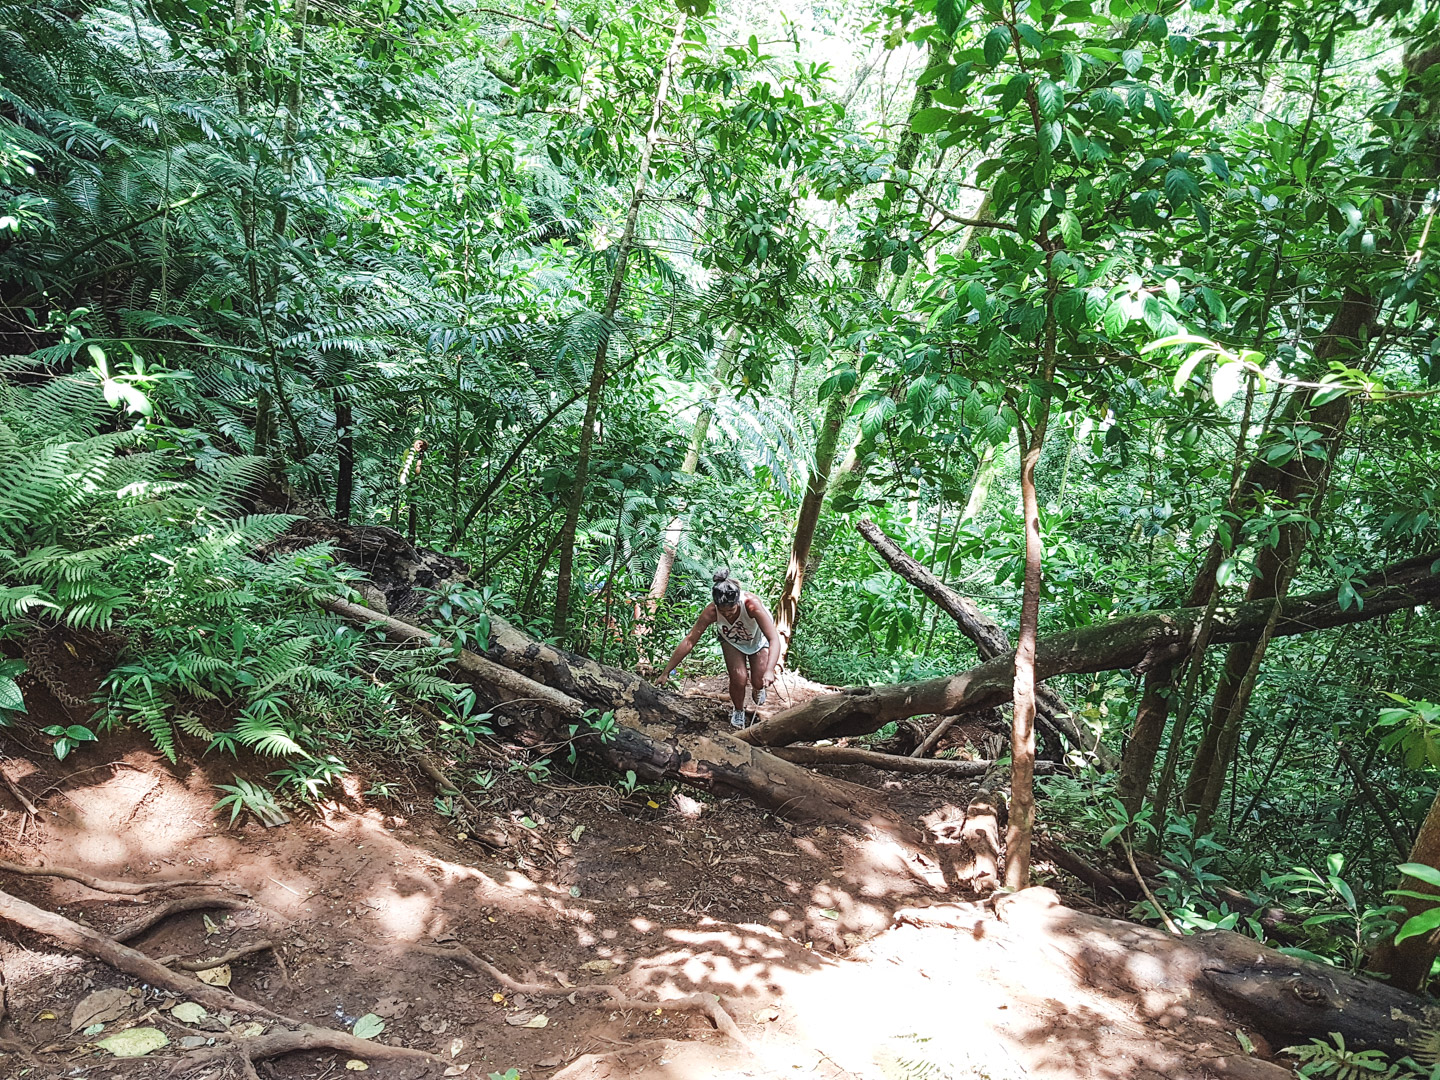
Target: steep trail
834	960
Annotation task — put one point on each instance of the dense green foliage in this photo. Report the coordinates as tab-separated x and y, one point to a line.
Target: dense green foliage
365	249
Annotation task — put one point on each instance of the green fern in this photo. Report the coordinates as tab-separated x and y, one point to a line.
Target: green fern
1334	1061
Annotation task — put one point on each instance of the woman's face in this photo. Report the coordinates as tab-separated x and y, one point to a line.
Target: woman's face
728	610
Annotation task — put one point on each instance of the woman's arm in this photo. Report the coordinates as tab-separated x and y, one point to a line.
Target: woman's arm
688	642
767	627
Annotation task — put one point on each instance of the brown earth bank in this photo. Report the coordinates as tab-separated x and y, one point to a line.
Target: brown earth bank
834	954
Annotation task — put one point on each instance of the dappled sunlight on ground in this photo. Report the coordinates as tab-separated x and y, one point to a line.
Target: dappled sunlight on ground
793	928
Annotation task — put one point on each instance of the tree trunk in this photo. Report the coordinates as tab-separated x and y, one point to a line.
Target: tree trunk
599	372
671	544
990	640
1408	964
344	457
1294	484
1138	762
787	611
1022	727
1141	640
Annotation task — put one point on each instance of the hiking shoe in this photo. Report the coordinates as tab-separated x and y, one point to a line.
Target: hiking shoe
737	718
760	696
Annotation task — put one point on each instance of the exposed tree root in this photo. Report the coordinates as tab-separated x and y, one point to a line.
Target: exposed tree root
205	965
133	929
846	755
306	1037
112	953
708	1004
119	888
109	951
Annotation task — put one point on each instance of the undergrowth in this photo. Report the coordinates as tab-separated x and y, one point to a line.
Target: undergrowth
116	521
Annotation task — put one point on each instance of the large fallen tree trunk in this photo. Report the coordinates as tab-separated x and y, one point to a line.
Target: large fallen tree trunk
1286	999
991	641
633	700
1134	641
718	763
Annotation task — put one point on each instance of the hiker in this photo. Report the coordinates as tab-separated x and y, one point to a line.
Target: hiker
748	638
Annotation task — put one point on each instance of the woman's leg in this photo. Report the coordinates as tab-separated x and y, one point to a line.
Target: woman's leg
735	666
758	663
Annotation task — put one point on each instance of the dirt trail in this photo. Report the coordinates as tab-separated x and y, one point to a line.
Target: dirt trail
792	927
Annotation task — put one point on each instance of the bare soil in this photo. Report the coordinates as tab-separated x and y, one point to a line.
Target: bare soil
794	928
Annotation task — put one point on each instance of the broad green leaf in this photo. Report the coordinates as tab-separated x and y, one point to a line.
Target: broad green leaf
1070	228
1417	925
927	121
1049	98
368	1026
996	44
1224	381
10	696
1421	872
1180	187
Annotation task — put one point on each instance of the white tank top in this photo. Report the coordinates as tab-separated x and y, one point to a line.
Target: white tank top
744	633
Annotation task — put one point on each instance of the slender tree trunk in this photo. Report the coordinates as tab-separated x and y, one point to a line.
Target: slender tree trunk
599	371
1138	761
1408	964
826	441
344	456
671	544
1293	484
1022	729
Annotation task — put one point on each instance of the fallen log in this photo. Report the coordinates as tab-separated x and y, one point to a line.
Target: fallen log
990	640
1286	999
981	836
718	763
1135	641
634	701
847	755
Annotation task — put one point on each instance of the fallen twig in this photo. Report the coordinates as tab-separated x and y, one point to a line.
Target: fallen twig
28	806
119	888
493	837
124	959
709	1004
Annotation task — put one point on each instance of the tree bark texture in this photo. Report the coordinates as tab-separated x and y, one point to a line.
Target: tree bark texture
1408	964
787	611
599	372
1022	723
1137	641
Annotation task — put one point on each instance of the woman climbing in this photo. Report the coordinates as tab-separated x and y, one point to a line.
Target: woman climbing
747	638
